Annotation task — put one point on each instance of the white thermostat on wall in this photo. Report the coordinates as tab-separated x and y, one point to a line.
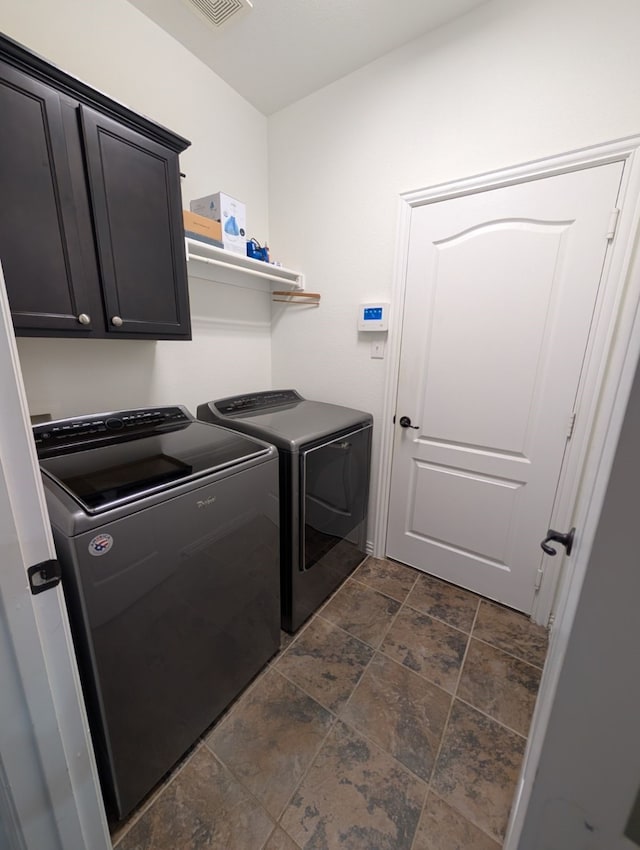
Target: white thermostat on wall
374	316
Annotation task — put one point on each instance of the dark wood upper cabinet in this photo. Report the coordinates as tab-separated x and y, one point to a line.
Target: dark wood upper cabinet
135	193
91	235
39	244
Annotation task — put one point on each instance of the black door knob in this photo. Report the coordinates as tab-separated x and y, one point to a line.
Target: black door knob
565	540
405	422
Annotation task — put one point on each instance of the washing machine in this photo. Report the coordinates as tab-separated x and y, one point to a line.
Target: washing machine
325	459
166	530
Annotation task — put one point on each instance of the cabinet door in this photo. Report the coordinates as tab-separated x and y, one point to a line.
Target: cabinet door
39	247
135	194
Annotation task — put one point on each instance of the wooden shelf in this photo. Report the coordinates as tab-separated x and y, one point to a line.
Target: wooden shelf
207	259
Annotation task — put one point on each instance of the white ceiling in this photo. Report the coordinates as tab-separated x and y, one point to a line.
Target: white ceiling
282	50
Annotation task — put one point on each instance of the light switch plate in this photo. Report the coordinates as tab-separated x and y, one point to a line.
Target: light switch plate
377	350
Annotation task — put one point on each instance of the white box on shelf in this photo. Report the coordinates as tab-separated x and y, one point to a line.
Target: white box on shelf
231	214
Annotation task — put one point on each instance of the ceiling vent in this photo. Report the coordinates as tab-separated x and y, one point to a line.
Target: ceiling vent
217	13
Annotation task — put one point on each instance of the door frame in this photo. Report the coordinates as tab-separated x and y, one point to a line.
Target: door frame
598	398
49	790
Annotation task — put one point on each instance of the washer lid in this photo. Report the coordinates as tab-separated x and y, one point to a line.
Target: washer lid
285	418
129	469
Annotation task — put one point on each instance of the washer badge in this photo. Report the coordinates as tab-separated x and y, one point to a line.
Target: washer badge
100	544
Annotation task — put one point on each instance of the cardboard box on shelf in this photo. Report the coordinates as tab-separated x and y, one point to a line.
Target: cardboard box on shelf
232	216
202	228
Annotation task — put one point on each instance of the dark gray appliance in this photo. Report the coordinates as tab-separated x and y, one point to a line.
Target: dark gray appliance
325	456
166	530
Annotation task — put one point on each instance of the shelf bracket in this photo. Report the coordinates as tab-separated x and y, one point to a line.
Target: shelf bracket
285	296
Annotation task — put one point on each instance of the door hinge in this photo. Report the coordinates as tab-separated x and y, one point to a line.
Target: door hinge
539	575
572	422
613	223
44	575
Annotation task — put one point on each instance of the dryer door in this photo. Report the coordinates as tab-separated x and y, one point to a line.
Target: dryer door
335	483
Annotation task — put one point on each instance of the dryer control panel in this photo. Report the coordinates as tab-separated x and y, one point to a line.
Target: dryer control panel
255	402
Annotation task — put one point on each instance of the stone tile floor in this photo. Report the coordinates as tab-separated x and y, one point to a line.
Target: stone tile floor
396	719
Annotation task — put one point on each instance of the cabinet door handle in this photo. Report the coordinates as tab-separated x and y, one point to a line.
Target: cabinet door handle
84	319
116	321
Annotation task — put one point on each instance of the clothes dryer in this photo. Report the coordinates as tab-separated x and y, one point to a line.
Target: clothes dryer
325	457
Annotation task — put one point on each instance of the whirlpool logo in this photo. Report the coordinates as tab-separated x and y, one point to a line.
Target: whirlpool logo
204	503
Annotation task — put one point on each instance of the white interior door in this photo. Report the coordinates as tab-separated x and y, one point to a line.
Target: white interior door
49	792
500	294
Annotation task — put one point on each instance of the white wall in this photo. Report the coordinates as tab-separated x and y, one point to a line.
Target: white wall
113	47
512	81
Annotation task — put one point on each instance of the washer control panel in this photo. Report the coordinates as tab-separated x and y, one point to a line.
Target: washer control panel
54	437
